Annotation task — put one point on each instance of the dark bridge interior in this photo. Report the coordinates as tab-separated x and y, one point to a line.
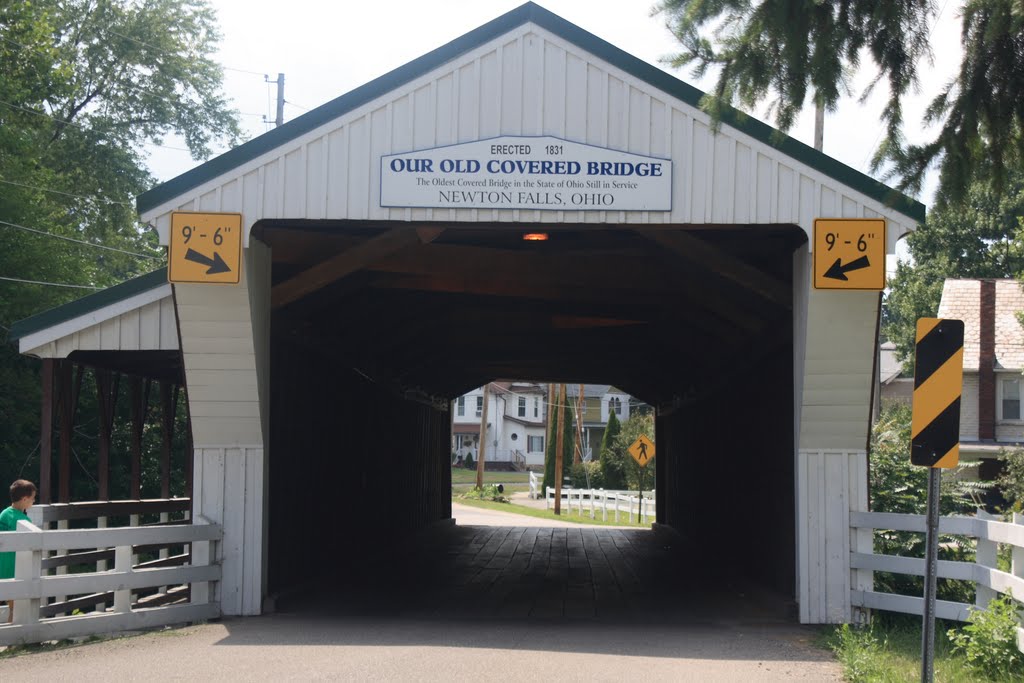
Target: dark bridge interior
376	327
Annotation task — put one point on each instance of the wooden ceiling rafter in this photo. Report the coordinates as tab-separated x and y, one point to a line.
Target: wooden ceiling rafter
349	261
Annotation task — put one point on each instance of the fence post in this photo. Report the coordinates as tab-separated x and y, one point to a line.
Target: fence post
1017	559
985	556
547	498
101	565
28	566
123	565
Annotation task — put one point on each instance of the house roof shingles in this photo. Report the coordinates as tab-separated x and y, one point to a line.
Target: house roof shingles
961	300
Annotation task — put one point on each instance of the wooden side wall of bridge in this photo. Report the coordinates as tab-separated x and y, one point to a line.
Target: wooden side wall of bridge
725	473
352	466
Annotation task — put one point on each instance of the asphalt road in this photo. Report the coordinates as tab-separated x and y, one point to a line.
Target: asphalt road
287	648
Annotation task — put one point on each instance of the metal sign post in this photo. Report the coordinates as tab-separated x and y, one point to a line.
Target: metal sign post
930	575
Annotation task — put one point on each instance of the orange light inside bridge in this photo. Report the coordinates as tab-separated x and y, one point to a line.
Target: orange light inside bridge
535	237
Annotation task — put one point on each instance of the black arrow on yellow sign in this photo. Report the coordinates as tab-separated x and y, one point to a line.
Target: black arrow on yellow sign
838	271
216	263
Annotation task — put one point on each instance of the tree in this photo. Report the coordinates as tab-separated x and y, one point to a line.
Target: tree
568	441
86	85
797	50
614	476
978	237
620	462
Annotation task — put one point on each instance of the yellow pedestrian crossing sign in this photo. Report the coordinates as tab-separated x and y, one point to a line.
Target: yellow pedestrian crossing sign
642	450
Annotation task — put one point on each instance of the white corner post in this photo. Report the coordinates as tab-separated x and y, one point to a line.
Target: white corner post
834	333
225	338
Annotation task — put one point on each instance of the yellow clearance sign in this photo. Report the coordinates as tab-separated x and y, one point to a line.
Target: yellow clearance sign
849	253
205	248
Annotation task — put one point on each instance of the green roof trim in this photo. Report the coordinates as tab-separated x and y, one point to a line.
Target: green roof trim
529	12
88	304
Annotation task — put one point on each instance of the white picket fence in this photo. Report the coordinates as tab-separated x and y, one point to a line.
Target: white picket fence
988	532
592	501
50	604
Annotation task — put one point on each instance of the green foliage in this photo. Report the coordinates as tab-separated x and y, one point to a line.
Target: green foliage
890	650
618	466
469	462
898	486
86	86
587	475
488	492
976	238
614	477
989	640
1011	481
797	51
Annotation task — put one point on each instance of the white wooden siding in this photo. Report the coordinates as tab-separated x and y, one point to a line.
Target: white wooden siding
228	490
829	484
220	362
144	322
529	82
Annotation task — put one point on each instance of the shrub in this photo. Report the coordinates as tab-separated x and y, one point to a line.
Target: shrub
989	640
468	463
587	475
489	492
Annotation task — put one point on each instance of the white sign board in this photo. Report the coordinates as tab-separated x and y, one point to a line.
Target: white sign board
518	172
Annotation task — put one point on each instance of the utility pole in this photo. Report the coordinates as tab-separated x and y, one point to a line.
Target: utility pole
280	101
819	126
559	448
578	450
483	440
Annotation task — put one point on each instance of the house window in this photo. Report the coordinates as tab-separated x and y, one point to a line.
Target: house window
534	444
1011	399
479	406
535	402
522	406
460	406
615	406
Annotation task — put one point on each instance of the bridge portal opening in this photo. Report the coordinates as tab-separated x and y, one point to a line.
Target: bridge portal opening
377	327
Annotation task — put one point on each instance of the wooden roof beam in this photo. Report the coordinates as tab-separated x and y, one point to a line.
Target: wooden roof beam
350	261
722	264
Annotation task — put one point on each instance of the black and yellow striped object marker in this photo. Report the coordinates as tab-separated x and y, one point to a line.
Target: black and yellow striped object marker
938	383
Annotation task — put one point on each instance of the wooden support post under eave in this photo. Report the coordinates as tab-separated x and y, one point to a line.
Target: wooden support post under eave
46	433
168	408
140	403
70	383
107	384
559	448
483	440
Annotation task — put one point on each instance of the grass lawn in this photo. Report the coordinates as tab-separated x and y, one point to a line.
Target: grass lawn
548	514
461	475
891	651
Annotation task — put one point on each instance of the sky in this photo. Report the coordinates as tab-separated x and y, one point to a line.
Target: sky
326	49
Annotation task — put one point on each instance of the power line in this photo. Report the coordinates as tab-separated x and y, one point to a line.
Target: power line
49	284
71	239
166	52
296	105
67	194
42	113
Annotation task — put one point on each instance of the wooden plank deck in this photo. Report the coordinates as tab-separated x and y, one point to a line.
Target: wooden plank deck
541	573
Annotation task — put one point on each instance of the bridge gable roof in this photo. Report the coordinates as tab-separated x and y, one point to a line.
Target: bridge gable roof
182	190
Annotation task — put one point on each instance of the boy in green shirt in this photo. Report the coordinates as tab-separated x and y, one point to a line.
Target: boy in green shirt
23	495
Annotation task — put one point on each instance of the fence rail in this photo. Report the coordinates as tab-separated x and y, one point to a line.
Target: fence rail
50	603
628	503
988	532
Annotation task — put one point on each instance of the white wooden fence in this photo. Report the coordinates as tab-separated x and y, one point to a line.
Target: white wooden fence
988	531
626	503
48	601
